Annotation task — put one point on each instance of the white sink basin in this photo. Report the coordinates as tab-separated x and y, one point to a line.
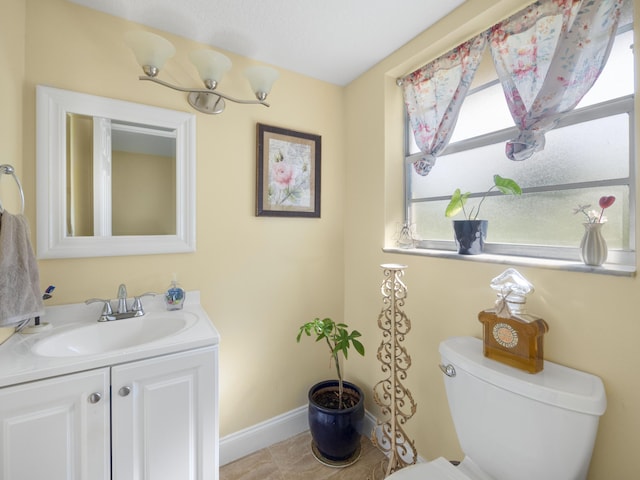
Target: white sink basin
102	337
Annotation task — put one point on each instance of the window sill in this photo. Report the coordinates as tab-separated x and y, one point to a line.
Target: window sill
566	265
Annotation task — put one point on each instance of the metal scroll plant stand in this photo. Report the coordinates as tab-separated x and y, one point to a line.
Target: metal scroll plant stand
395	400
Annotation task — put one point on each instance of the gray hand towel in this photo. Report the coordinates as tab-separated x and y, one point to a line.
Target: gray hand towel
20	297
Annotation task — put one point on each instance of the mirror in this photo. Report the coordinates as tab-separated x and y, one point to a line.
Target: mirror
113	177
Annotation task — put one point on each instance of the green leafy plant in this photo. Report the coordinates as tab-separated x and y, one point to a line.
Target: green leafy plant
338	339
458	200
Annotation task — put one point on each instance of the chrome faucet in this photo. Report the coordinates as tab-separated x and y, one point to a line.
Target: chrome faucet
122	310
122	299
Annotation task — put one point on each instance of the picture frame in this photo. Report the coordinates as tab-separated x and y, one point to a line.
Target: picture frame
287	173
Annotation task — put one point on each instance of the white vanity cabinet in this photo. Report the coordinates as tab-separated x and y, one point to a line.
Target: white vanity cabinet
56	428
164	418
152	419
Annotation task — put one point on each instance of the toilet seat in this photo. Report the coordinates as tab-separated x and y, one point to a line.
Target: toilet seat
438	469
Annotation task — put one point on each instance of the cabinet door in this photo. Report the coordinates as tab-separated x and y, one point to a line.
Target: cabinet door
56	429
164	417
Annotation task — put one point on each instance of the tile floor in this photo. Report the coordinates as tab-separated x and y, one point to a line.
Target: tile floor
292	460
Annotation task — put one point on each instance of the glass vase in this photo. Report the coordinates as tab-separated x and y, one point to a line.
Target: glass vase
593	247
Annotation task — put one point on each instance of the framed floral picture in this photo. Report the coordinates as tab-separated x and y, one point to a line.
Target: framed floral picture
288	173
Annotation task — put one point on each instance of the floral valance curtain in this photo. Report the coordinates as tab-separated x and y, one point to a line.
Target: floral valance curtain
547	57
434	95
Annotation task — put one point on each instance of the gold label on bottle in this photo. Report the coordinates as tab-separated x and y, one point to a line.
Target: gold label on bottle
505	335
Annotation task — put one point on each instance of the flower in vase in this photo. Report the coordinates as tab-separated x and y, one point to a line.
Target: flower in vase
593	216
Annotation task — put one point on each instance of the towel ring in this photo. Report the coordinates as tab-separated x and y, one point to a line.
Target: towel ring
7	169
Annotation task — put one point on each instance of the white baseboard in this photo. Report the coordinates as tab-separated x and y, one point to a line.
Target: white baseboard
368	425
274	430
263	435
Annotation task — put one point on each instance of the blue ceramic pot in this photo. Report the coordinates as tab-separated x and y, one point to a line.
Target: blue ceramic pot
470	235
336	433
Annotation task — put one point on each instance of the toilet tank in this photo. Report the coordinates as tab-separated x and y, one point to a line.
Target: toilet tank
517	425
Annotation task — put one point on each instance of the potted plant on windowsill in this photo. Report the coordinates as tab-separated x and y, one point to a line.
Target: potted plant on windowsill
336	407
471	232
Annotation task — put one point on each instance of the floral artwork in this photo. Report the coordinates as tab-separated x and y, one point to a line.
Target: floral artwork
288	173
289	170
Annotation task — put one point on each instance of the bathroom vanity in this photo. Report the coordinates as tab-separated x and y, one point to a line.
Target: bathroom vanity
133	398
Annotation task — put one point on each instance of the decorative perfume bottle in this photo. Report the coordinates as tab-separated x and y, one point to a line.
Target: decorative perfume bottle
511	335
174	296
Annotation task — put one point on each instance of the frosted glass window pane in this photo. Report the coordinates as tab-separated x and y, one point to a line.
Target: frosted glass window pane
533	219
478	165
412	148
617	79
430	221
489	105
592	151
483	112
548	218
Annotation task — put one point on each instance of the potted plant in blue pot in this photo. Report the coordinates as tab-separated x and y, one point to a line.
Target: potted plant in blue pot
471	233
336	407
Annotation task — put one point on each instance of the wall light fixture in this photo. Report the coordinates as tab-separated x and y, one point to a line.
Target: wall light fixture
152	51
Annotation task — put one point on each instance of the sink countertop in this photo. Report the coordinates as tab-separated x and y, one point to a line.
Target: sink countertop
18	363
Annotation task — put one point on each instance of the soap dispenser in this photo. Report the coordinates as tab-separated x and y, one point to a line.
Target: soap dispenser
174	296
510	334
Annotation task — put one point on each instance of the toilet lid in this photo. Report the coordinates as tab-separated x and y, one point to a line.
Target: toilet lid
438	469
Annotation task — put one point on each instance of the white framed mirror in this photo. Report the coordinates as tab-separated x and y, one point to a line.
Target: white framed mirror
112	177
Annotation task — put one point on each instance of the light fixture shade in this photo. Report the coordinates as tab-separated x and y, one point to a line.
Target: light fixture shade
150	49
211	65
261	79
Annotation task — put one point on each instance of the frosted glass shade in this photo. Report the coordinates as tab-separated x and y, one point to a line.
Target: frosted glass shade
261	79
150	49
211	65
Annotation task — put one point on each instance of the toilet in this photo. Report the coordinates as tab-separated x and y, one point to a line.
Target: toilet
513	425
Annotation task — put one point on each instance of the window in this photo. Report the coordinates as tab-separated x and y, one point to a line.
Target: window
588	155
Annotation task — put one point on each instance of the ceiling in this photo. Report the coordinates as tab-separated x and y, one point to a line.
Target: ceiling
330	40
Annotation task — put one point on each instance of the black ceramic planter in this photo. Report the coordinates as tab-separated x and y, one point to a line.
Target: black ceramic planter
470	235
336	433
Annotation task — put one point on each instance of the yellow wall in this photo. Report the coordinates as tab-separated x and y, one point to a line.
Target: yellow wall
594	325
261	277
12	60
146	199
79	196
